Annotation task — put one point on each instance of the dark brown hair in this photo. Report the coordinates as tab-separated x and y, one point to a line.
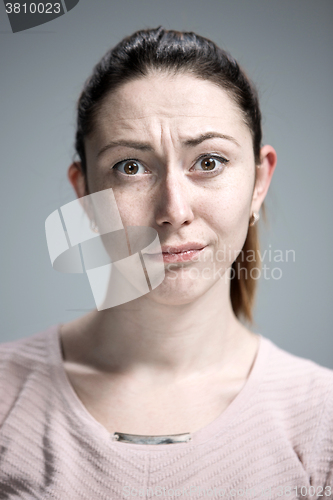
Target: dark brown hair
136	56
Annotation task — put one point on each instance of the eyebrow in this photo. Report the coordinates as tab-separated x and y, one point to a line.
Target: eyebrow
208	135
142	146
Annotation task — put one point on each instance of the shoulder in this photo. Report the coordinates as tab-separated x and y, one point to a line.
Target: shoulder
299	377
298	393
298	386
23	354
23	365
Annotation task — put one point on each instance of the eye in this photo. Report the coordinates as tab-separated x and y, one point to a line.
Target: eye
209	163
129	167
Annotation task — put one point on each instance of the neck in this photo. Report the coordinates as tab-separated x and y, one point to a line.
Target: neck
176	341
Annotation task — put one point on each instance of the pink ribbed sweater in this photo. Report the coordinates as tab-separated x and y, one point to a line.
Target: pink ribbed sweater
275	440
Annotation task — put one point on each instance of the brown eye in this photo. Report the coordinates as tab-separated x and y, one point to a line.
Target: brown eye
211	164
208	164
131	167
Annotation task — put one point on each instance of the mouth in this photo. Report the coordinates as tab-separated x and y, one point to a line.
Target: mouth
186	247
180	254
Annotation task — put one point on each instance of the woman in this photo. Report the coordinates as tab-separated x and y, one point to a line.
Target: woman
169	394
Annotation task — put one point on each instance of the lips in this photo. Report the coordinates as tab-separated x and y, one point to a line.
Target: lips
173	249
180	253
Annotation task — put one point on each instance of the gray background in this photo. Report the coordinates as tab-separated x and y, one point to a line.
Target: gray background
285	46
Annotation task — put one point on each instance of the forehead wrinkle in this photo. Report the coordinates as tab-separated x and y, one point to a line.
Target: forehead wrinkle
159	136
134	97
151	127
157	122
168	115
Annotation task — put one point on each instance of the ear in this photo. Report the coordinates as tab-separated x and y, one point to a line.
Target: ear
77	179
264	176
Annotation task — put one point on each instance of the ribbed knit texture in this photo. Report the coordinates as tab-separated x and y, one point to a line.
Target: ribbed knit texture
276	434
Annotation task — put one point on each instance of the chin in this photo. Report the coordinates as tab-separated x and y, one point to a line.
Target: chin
179	291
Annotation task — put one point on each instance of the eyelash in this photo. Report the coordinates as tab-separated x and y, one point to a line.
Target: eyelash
221	159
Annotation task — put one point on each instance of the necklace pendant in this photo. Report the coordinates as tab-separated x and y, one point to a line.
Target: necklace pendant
165	439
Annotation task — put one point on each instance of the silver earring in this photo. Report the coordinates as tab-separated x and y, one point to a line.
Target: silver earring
254	219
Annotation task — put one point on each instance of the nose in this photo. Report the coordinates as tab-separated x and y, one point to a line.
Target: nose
174	201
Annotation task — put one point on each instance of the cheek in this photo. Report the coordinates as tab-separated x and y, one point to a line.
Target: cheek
133	206
229	212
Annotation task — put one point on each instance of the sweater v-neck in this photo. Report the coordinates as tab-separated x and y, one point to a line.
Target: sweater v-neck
94	429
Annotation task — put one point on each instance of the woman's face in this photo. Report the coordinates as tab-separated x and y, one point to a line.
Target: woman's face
179	158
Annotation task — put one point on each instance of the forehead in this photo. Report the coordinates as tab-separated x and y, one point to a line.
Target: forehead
181	103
